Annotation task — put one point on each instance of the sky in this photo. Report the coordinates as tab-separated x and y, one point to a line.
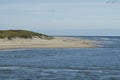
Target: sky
62	17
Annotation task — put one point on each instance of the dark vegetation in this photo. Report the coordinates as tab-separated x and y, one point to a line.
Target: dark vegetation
10	34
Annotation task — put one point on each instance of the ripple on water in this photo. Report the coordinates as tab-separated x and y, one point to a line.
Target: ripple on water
33	73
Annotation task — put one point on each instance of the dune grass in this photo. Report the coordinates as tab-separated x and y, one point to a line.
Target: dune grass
22	34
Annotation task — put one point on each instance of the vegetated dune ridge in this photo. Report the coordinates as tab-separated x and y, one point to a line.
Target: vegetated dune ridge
17	39
10	34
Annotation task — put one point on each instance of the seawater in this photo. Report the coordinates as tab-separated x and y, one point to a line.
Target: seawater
107	41
63	64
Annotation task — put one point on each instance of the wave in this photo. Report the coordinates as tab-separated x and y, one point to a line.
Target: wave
13	50
9	67
107	39
100	46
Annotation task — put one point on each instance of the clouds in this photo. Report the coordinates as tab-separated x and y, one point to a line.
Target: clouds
48	1
56	1
59	16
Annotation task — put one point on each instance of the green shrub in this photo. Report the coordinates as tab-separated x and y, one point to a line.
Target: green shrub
22	34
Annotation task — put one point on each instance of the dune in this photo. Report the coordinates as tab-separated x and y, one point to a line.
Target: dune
45	42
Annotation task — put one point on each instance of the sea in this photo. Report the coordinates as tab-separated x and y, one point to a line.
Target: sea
101	63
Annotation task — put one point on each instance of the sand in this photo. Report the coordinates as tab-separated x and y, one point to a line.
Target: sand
58	42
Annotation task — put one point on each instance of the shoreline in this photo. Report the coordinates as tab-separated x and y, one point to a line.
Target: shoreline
58	42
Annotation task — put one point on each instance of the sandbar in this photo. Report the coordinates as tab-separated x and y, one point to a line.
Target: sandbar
57	42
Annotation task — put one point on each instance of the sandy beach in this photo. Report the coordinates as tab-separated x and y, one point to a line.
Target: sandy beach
57	42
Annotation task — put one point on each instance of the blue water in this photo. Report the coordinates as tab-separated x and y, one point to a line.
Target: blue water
107	41
63	64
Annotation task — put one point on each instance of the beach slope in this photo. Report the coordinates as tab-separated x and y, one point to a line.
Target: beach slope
57	42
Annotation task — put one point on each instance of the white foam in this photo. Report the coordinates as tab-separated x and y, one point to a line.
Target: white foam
105	39
14	50
9	67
